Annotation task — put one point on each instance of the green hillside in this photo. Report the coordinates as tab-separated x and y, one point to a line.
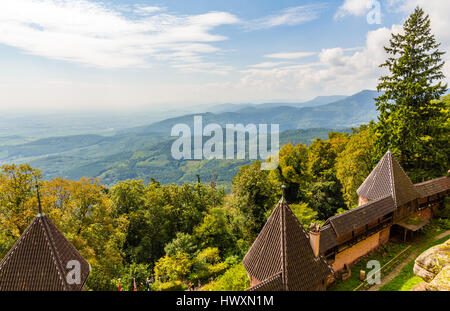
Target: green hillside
152	161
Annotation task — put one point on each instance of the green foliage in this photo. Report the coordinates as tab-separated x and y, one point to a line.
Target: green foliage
321	158
443	215
410	110
169	286
254	196
234	279
18	204
206	265
324	192
325	197
209	255
304	214
232	260
165	211
172	268
214	230
128	196
292	171
182	243
356	162
85	214
138	273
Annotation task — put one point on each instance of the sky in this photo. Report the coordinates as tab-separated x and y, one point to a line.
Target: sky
144	54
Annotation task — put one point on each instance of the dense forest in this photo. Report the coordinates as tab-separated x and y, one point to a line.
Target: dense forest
172	235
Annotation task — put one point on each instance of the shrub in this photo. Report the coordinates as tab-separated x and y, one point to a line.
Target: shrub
169	286
234	279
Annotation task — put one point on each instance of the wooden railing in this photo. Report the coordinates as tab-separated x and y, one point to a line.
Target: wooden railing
385	266
363	235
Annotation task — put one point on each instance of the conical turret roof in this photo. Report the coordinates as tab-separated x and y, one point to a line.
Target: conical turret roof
282	252
388	178
43	260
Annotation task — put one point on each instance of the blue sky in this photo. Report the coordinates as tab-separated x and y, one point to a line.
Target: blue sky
117	54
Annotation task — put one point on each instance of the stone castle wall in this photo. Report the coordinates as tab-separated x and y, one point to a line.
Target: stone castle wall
360	249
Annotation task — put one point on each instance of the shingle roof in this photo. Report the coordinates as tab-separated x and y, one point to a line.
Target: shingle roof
283	247
328	239
38	261
434	186
388	178
274	283
362	215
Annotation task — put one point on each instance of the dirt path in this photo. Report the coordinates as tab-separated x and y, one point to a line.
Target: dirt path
386	279
443	234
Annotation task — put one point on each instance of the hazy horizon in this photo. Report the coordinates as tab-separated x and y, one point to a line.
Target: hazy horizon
122	55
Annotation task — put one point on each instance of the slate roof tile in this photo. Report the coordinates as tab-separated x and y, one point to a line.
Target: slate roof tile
283	247
38	261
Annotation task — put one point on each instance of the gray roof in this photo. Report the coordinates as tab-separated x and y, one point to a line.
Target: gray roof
362	215
283	247
432	187
328	238
388	178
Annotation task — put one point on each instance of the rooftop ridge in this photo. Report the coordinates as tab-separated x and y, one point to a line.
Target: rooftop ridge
391	175
53	250
327	222
430	180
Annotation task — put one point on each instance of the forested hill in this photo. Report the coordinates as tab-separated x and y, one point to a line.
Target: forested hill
129	157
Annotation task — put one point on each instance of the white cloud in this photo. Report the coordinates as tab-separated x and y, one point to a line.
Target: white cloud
98	35
206	67
337	71
332	57
290	16
267	64
147	10
104	37
292	55
354	7
346	70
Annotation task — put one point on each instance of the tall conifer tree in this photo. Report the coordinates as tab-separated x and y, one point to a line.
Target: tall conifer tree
409	105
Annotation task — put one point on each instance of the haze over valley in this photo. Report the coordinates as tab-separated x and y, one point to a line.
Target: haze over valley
117	146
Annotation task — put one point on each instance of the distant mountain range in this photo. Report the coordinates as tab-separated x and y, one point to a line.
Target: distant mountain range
350	111
144	152
317	101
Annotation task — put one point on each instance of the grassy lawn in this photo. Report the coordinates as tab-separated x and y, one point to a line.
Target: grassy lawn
406	279
383	254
